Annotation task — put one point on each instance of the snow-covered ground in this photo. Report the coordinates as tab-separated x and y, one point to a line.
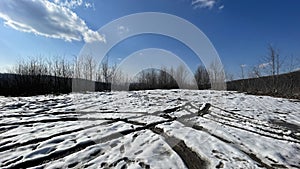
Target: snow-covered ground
149	129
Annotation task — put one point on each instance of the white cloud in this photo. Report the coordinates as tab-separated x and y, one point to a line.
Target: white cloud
243	65
263	65
73	3
221	7
203	3
123	29
89	5
48	19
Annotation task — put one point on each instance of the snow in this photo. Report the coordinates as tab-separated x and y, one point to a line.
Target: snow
143	129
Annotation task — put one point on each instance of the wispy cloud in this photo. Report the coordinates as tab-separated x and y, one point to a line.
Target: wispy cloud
48	19
221	7
199	4
123	29
203	3
74	3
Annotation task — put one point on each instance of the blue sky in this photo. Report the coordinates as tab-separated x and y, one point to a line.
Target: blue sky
240	30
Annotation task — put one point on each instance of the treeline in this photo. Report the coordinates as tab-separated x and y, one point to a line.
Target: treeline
170	79
267	78
154	79
37	76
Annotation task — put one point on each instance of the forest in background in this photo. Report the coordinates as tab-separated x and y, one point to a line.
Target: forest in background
37	76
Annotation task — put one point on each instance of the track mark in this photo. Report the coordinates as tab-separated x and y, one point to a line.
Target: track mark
190	158
78	147
37	140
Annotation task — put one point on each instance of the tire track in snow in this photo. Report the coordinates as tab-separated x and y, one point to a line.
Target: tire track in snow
190	158
41	121
269	125
232	144
181	148
280	136
265	129
37	140
64	119
80	146
235	146
41	139
253	131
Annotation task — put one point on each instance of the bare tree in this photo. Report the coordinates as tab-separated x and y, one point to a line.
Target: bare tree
202	77
274	60
171	80
243	72
163	77
255	72
229	76
217	75
88	67
105	72
77	67
292	63
181	76
120	80
275	65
